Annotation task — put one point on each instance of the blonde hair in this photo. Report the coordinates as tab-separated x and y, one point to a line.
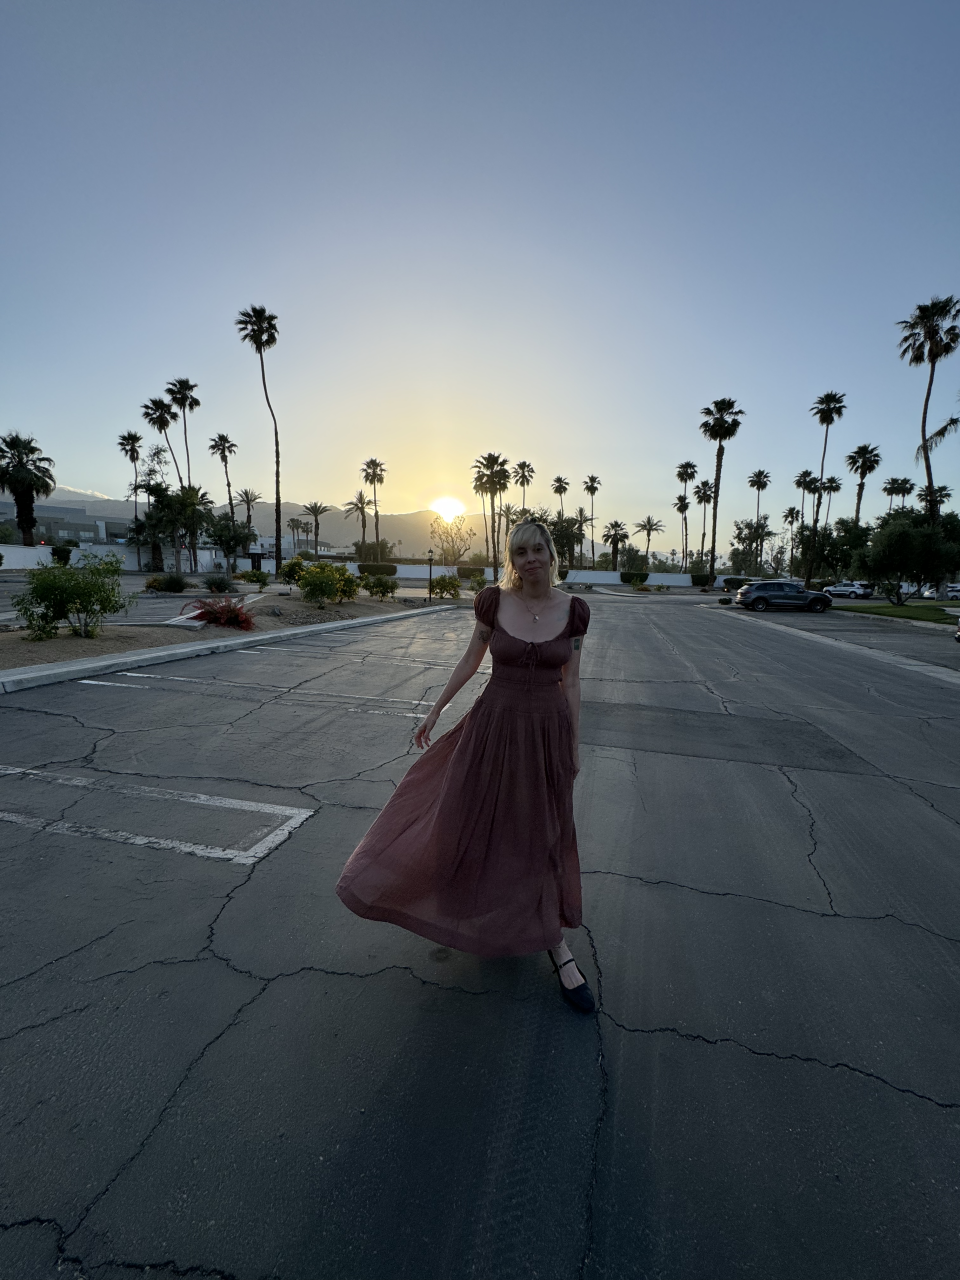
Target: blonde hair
525	534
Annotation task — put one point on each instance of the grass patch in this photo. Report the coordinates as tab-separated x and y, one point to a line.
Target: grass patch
912	612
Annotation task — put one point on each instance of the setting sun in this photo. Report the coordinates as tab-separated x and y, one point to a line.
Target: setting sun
449	508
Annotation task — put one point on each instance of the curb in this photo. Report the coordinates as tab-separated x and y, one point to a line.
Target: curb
59	672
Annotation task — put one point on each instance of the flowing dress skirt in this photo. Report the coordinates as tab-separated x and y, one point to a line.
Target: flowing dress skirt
476	848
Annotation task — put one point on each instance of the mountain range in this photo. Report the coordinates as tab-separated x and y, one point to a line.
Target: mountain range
409	530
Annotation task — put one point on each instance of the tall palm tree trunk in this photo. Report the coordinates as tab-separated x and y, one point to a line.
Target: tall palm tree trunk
233	514
934	511
593	547
486	534
376	521
860	488
703	536
278	520
186	447
716	506
176	464
136	511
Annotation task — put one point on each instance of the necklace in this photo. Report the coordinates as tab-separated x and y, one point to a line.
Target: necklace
535	616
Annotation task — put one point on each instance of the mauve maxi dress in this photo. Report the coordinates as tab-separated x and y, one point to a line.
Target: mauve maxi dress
476	849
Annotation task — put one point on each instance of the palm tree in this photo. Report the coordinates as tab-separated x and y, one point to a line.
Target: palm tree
249	498
703	493
480	489
929	336
615	533
790	517
258	327
180	393
130	443
26	474
294	524
373	472
935	500
904	487
827	409
758	480
511	515
890	488
161	416
682	505
721	422
686	472
862	461
581	520
499	484
358	506
315	510
522	475
803	481
560	485
648	526
592	485
830	486
222	447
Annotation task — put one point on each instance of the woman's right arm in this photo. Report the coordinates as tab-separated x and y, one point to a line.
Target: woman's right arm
465	669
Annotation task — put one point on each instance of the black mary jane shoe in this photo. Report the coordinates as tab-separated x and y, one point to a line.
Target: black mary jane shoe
580	997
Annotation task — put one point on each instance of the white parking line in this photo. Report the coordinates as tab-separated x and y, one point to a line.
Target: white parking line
294	817
114	684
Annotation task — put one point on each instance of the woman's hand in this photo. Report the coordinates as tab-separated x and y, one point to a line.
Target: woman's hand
424	730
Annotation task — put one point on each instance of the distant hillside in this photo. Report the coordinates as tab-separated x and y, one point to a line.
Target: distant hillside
411	529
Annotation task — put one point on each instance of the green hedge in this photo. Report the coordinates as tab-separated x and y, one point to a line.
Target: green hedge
563	574
700	579
378	570
633	575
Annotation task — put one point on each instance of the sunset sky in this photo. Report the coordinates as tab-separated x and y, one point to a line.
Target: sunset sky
547	228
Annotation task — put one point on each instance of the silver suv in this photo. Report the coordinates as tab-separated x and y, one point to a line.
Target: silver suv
760	596
850	590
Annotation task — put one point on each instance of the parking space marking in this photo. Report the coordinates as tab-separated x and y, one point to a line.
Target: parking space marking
114	684
294	817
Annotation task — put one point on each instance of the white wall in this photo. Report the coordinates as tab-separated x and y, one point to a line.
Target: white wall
421	572
24	557
604	578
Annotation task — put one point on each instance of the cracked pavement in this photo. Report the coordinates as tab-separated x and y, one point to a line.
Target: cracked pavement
210	1068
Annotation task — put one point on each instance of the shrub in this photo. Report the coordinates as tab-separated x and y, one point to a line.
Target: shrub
660	586
633	575
82	595
379	585
447	584
217	581
255	576
291	570
222	613
478	582
378	570
323	582
172	582
562	574
60	555
8	534
725	600
1	561
700	579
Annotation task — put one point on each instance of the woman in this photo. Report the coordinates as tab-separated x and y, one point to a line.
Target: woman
476	848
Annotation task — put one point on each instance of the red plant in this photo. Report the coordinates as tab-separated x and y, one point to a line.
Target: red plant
222	613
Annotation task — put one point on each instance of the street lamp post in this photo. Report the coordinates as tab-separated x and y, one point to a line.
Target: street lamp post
430	580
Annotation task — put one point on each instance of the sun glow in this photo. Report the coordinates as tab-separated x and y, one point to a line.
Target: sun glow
449	508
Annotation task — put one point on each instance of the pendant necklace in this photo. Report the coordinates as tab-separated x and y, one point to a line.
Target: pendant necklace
535	616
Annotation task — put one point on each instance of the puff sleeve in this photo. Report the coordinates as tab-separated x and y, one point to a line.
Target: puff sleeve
485	606
579	616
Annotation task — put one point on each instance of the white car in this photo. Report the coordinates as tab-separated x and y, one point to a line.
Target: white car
850	590
952	589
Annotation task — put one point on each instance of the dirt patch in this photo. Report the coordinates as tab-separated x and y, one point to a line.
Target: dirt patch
16	650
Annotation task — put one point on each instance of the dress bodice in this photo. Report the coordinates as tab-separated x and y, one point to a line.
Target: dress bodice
529	661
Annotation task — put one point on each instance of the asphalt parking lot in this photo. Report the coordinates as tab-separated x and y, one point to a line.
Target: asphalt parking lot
209	1067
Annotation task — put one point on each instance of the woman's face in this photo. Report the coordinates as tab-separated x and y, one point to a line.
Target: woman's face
532	562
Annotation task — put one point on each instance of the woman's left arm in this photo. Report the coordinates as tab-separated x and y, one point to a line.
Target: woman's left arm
571	689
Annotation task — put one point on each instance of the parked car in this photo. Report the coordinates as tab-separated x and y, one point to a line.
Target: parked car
781	595
952	590
850	590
